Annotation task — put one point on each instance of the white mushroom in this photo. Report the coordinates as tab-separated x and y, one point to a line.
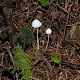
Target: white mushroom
36	23
48	31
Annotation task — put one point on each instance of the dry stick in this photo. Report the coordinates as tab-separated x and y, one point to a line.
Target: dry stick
77	23
10	54
73	66
17	76
2	55
2	59
36	63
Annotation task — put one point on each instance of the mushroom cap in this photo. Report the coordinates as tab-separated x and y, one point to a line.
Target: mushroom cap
36	23
48	31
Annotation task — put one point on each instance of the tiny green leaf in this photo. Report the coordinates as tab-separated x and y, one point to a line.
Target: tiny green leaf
44	3
56	60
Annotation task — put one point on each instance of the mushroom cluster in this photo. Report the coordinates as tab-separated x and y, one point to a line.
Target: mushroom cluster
36	24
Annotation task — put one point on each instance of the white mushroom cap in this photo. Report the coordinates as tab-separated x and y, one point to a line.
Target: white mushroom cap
48	31
36	23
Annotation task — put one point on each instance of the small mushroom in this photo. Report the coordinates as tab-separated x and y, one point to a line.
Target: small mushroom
36	24
48	32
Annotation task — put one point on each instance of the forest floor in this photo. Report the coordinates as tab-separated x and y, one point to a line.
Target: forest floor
63	17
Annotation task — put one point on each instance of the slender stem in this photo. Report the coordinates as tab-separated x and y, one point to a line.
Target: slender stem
47	42
37	40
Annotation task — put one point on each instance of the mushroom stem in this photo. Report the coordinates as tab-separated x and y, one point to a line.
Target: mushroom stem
47	42
37	40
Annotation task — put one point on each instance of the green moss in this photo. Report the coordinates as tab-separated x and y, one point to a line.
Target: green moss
26	36
21	63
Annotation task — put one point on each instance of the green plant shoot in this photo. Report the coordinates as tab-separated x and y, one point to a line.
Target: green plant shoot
21	64
44	3
56	60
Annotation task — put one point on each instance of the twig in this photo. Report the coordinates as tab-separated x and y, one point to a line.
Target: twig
10	54
73	66
17	76
2	59
36	63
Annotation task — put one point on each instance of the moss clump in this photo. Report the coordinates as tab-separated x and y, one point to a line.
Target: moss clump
26	36
21	63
